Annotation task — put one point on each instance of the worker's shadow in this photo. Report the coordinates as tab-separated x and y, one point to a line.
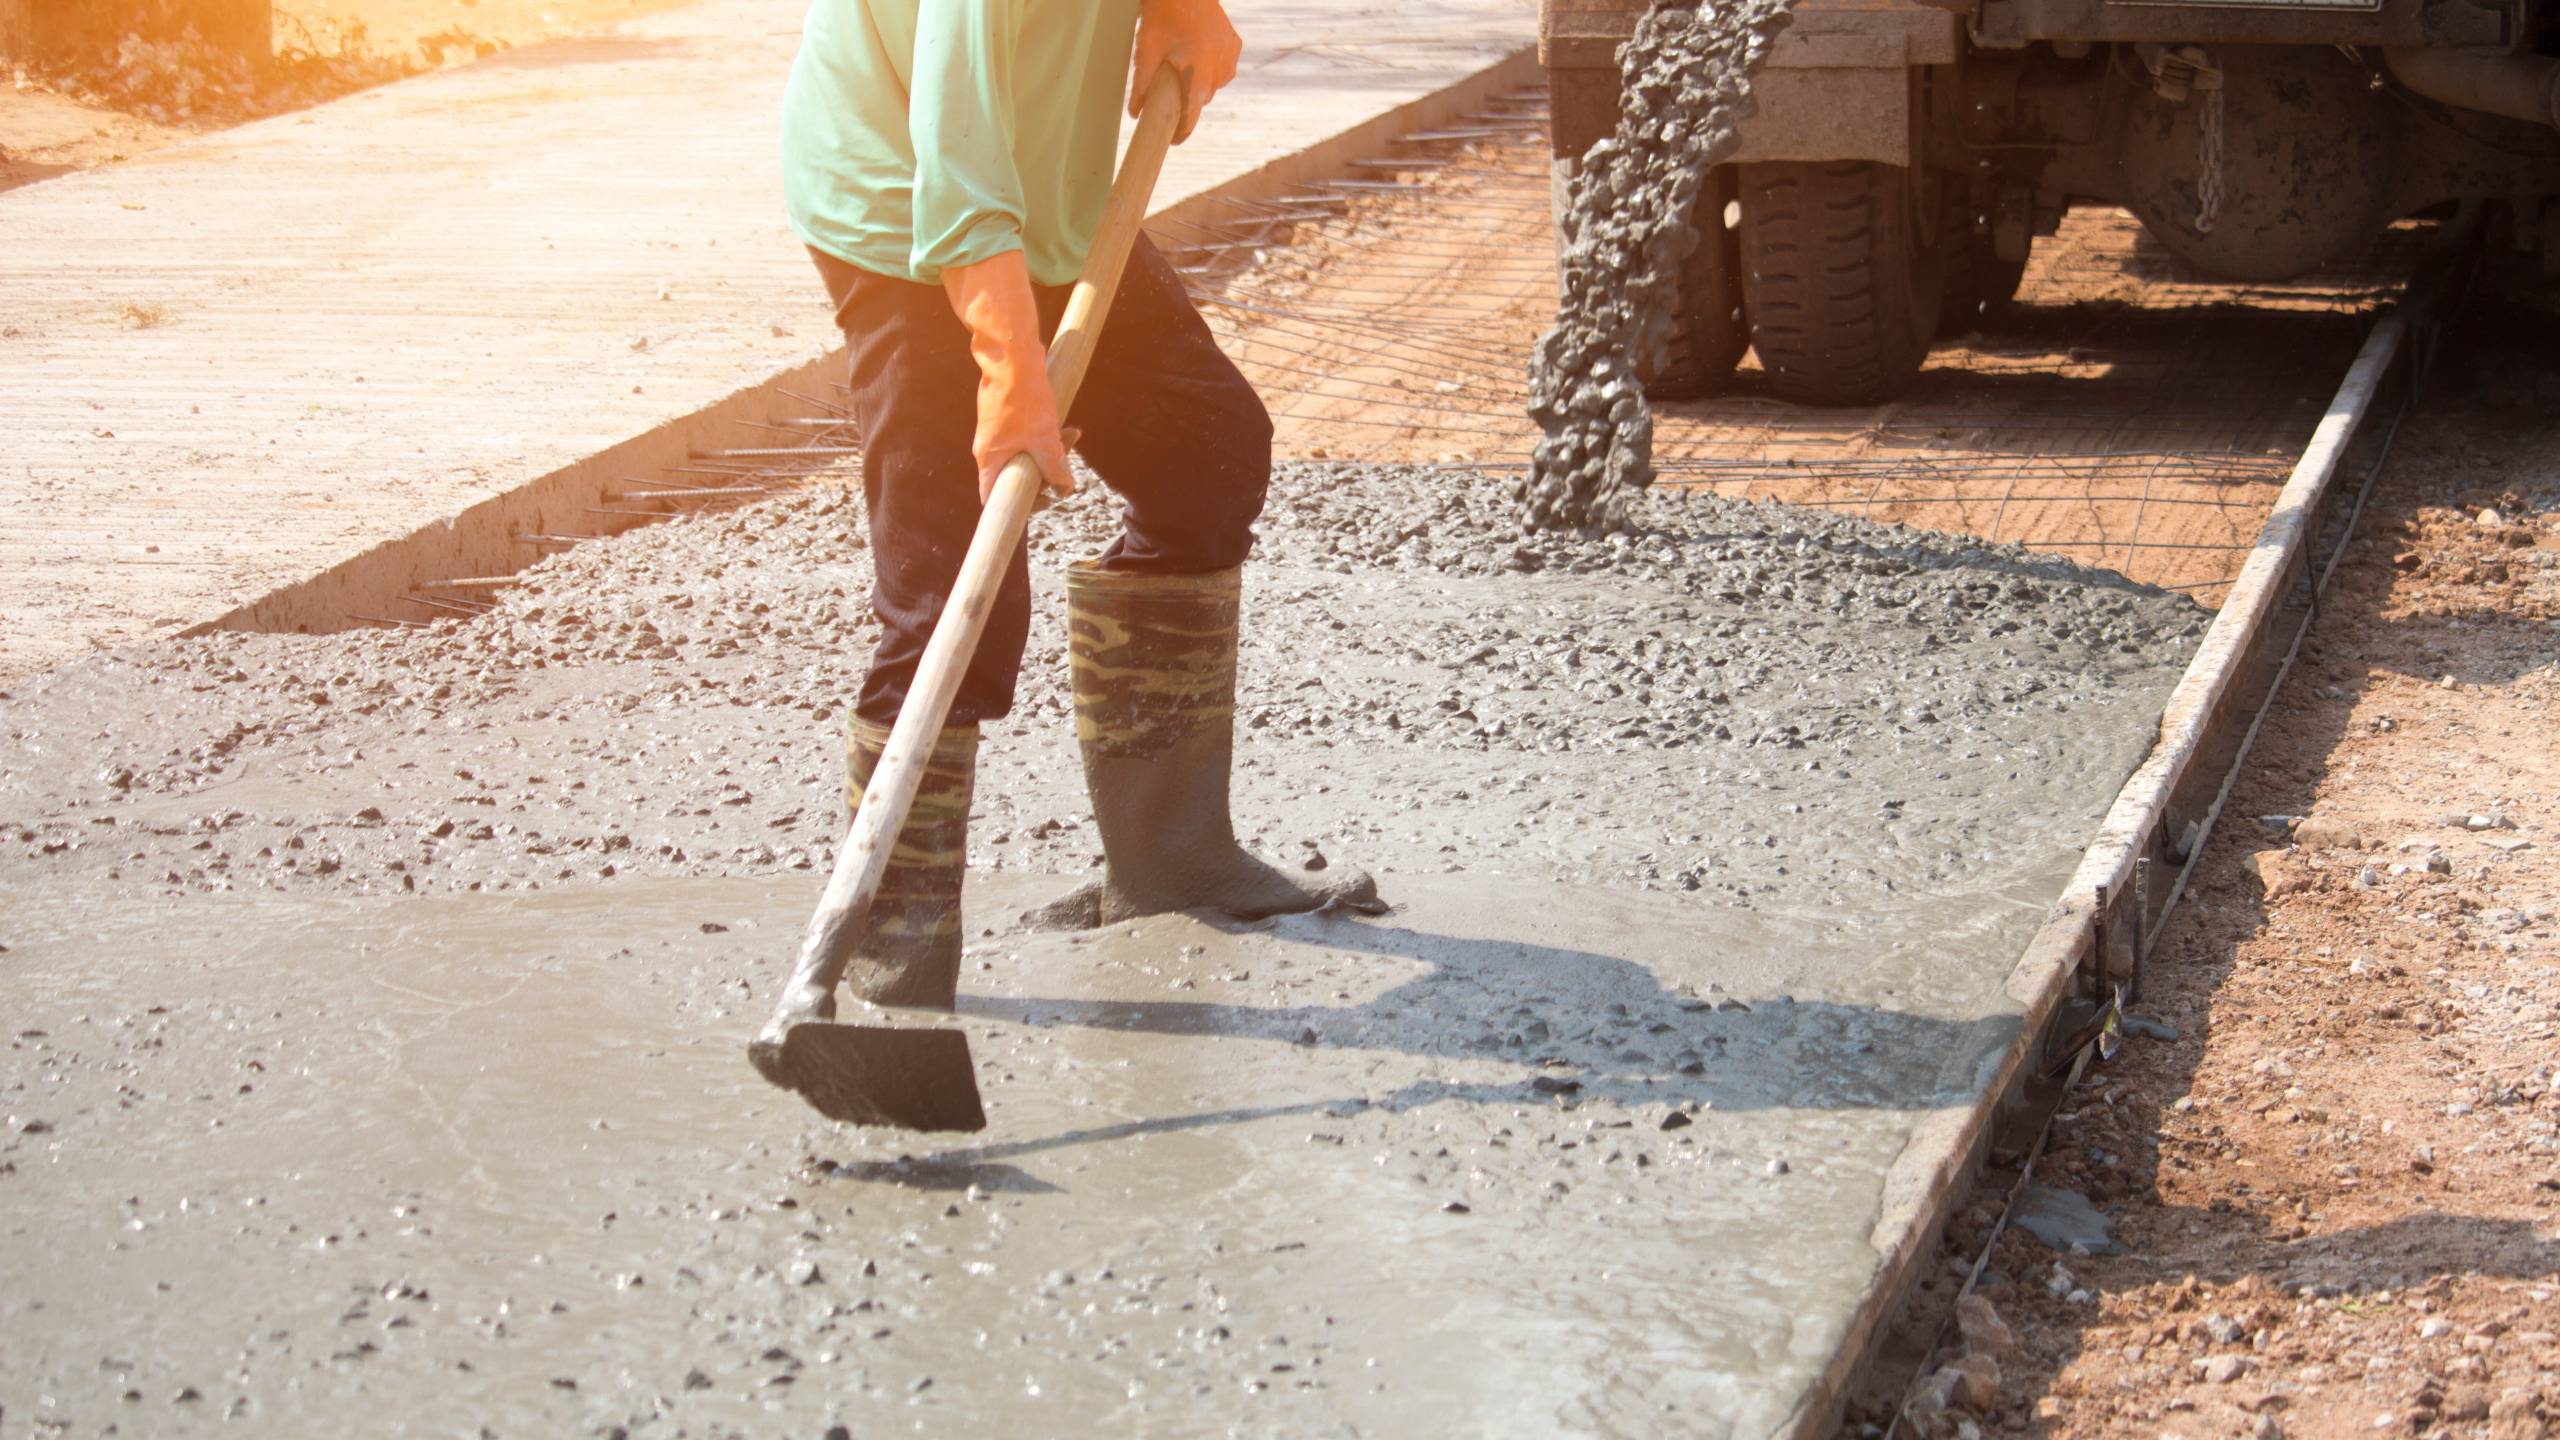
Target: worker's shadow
1577	1025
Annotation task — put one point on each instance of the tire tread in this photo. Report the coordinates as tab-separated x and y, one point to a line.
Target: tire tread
1829	279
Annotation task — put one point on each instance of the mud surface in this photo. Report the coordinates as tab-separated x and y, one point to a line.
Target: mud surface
1746	818
1625	227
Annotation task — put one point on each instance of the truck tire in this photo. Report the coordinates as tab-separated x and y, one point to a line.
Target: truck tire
1842	275
1708	332
1979	285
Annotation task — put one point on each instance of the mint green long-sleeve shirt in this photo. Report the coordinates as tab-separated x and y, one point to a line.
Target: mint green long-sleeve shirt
918	135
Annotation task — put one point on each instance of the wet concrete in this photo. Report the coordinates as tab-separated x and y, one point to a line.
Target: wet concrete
1625	228
2064	1220
1712	846
494	1160
1746	700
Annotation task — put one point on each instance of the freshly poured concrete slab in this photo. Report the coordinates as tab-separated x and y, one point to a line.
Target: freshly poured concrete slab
234	363
1828	776
1524	1159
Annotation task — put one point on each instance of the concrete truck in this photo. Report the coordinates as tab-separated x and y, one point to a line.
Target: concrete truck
1905	156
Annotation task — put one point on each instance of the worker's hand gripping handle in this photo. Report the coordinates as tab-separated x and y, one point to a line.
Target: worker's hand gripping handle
1081	327
828	944
1191	36
1017	410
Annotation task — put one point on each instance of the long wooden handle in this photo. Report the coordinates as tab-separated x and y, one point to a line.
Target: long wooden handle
827	945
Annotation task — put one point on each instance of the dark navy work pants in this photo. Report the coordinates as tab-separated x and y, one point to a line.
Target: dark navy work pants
1167	421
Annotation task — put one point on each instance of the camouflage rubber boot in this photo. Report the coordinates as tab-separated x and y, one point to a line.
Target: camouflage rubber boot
1154	661
909	950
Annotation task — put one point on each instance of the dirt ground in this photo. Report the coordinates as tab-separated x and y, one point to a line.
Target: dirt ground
53	124
2336	1183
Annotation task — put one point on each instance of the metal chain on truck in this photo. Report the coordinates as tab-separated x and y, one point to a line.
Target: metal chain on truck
2179	76
2208	149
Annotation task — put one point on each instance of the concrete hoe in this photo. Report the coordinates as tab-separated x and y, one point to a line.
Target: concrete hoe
919	1077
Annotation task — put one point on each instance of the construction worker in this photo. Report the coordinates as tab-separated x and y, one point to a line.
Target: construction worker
947	161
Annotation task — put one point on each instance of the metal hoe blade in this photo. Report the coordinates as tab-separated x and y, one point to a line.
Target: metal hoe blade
873	1075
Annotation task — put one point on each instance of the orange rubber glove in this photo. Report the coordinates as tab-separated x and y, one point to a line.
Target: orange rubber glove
1194	37
1017	411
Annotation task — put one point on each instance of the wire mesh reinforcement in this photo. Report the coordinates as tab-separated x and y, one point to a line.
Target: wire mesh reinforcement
2118	412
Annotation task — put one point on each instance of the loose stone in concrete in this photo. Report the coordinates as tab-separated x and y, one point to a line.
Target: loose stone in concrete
1751	702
